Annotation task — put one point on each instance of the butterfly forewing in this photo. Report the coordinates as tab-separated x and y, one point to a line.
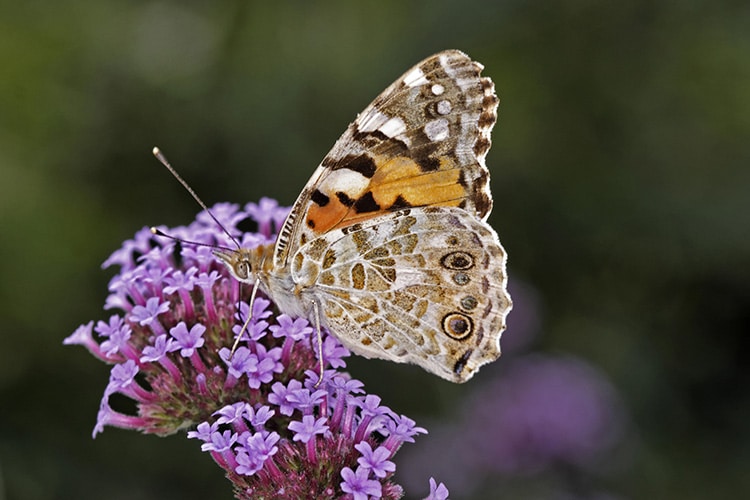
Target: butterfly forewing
422	142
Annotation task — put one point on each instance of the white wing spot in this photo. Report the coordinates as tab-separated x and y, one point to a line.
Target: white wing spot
372	122
393	127
437	89
465	84
444	107
346	181
437	130
415	78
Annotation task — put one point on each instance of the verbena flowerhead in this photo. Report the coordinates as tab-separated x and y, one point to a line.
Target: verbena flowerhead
261	412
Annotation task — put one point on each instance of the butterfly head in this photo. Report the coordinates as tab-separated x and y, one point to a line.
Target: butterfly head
242	263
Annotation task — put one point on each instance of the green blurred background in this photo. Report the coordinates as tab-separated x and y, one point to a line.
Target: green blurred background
620	171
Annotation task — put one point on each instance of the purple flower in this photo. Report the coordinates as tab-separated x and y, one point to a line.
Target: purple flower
82	336
295	329
346	385
127	290
256	450
260	308
372	415
117	342
155	352
107	416
233	413
281	393
117	332
115	324
259	417
359	485
265	414
201	257
220	441
180	282
147	315
205	281
247	463
255	331
122	375
187	341
155	276
375	460
334	352
203	431
263	444
257	328
401	430
237	362
309	427
304	400
226	213
272	356
437	491
259	371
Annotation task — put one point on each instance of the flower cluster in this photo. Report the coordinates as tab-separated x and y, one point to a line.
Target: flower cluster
266	415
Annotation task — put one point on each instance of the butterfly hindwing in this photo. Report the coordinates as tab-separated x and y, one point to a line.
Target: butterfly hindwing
423	286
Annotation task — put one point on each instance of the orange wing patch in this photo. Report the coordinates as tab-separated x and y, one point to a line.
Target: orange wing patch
397	182
403	178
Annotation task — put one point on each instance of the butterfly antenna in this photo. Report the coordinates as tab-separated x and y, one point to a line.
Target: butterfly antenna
158	232
163	159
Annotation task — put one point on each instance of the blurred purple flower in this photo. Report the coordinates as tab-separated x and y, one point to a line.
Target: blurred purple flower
266	212
539	414
548	410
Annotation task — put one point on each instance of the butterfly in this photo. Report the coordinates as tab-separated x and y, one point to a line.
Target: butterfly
387	246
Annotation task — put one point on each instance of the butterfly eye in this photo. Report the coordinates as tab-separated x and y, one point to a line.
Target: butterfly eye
243	269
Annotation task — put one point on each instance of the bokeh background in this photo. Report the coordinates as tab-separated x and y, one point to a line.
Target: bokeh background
621	176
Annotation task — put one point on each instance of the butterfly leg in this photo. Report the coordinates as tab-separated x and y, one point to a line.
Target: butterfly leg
316	312
249	317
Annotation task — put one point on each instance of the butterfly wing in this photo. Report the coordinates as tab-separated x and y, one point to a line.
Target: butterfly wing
420	143
424	286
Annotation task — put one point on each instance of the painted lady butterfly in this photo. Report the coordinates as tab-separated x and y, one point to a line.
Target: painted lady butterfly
387	245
